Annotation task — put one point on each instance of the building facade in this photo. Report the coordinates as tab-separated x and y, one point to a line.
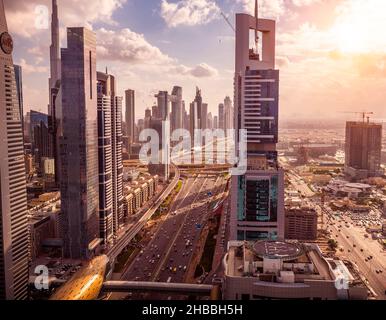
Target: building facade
14	245
79	145
130	114
363	149
257	196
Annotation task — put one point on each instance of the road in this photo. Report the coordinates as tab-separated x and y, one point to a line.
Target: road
168	249
133	229
347	238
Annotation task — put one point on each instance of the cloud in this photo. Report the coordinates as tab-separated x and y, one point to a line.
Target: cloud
189	12
28	18
128	46
201	70
31	69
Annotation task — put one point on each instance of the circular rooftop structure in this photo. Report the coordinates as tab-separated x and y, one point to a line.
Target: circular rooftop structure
277	250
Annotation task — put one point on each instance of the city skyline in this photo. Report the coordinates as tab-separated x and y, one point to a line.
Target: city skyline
309	39
105	196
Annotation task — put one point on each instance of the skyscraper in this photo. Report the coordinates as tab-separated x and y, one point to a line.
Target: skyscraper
19	90
14	245
54	83
221	116
163	101
363	149
177	110
79	145
257	196
228	113
130	114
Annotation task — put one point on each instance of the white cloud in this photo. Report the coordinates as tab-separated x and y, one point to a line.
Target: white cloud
22	15
31	69
128	46
189	12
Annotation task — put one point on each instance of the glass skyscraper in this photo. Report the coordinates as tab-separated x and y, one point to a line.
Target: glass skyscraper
79	145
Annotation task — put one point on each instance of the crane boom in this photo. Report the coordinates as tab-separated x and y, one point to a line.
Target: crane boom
228	22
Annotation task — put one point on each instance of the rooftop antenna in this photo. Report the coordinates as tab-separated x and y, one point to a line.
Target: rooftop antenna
257	26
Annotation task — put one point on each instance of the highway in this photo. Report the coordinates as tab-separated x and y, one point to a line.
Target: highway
165	257
134	229
347	238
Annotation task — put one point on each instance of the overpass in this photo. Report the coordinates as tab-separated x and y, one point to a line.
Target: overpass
162	287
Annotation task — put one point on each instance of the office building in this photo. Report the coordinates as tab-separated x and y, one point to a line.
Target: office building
228	113
54	82
163	101
363	149
176	118
257	210
130	115
301	224
14	246
79	145
221	116
110	157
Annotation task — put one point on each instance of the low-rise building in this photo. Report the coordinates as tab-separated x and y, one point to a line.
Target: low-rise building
285	270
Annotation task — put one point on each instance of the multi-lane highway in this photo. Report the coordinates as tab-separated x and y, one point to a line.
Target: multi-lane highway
166	258
355	247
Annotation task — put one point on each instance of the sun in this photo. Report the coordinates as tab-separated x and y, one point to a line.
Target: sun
350	38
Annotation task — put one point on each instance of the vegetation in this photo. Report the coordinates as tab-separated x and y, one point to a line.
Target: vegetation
332	244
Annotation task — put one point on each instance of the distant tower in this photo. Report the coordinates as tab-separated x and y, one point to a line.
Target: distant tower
177	112
257	210
363	149
14	242
130	115
79	145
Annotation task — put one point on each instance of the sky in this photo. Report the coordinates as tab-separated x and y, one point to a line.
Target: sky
331	53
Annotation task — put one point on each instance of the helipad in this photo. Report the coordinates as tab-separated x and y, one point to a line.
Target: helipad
277	250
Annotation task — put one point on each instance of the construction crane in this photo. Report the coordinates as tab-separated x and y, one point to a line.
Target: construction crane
365	114
227	20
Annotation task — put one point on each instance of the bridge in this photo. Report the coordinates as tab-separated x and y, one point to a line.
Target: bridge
162	287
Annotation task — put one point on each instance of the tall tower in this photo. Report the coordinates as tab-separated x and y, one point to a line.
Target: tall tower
110	156
177	110
14	242
79	145
257	196
130	114
54	83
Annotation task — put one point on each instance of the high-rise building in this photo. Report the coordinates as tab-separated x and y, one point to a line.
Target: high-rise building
177	109
14	245
130	114
79	145
19	90
54	83
41	146
209	121
215	122
163	101
221	116
228	114
204	116
363	149
257	195
110	157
